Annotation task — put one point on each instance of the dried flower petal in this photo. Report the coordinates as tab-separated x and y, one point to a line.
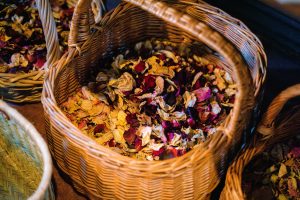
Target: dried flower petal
202	94
189	99
125	83
140	67
130	135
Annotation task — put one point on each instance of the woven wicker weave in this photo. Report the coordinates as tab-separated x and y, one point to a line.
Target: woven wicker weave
99	172
25	161
268	133
27	87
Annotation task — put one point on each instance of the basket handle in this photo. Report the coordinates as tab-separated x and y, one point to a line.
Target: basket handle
80	31
50	33
268	133
49	27
266	125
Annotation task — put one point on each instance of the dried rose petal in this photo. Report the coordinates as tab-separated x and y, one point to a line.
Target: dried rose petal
170	136
131	119
138	144
176	124
82	124
232	99
130	135
173	151
213	116
202	94
140	67
161	56
220	97
166	124
159	152
99	128
181	152
204	116
31	58
126	93
112	143
191	122
148	83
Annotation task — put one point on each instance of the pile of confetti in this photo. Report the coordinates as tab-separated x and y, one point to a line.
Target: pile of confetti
22	43
154	102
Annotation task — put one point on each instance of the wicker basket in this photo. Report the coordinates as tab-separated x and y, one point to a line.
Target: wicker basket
99	172
268	133
26	166
19	88
27	87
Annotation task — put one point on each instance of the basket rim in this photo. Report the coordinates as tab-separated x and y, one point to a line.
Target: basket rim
41	144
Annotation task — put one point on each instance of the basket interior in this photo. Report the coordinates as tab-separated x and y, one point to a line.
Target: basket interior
123	31
20	160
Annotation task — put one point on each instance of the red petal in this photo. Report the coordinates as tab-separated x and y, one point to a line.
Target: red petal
159	152
149	82
82	124
197	85
174	151
130	135
138	144
140	67
99	128
162	56
112	143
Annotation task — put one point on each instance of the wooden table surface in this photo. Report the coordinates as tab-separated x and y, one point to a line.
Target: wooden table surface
63	187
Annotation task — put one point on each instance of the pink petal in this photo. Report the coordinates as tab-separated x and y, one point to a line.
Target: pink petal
202	94
40	62
191	122
170	136
175	124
